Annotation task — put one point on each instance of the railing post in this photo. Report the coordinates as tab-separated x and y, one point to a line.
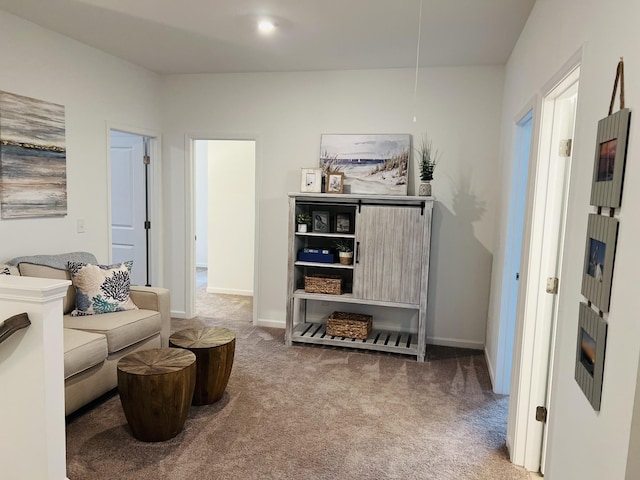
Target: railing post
32	425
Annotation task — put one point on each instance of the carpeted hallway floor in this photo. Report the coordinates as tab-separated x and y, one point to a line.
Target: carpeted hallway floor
307	412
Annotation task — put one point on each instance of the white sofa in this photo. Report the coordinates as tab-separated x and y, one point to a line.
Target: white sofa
94	344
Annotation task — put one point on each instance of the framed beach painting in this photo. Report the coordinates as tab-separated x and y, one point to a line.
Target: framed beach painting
371	164
33	158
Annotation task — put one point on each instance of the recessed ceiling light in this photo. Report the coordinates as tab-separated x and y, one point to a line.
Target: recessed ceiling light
266	26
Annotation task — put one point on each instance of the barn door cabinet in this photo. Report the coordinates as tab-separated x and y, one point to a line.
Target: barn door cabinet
391	238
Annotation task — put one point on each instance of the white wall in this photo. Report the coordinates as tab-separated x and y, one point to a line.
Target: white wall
231	216
201	158
287	112
95	88
583	443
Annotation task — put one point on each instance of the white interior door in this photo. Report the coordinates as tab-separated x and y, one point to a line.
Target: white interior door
128	203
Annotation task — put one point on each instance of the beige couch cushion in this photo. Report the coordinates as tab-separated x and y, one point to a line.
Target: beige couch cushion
121	328
40	271
82	350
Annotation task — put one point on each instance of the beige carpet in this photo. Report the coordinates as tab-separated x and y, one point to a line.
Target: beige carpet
307	412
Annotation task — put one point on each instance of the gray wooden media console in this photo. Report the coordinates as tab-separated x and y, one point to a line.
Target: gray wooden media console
391	238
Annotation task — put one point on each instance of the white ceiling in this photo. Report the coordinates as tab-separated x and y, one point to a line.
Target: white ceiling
198	36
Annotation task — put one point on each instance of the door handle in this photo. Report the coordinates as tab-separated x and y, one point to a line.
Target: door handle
357	252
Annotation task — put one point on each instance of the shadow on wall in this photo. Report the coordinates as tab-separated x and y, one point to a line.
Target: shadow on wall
460	270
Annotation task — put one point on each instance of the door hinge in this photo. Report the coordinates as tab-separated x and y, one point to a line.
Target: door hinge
146	160
552	285
541	414
565	148
147	225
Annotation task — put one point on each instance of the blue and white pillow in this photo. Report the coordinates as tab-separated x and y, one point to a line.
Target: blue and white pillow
101	288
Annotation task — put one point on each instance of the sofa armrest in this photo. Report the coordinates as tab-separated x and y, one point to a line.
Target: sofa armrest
157	299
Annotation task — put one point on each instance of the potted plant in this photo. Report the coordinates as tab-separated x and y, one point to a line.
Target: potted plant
427	160
303	220
345	251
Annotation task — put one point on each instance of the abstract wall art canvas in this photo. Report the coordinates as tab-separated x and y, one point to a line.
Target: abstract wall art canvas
372	164
33	158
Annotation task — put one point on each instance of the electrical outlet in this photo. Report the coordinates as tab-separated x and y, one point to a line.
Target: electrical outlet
80	223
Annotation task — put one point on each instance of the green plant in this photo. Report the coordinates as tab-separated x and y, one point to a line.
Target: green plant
427	159
303	217
343	246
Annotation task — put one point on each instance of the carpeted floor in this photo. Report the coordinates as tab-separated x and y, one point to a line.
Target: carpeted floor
307	412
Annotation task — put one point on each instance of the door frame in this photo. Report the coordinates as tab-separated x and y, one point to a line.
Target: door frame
532	367
156	264
190	216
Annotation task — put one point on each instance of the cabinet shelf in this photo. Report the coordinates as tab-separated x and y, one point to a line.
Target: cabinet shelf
349	298
331	235
381	340
320	264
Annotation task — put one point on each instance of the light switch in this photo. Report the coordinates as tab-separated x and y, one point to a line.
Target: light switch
80	222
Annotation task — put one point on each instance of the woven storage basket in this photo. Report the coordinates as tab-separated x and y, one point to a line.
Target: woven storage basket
351	325
331	284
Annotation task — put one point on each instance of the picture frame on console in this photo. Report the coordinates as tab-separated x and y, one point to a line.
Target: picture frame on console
311	180
335	182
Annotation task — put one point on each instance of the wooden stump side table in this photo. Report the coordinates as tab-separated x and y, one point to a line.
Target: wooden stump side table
214	348
156	389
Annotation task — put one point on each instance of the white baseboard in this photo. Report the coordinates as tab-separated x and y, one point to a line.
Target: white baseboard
265	322
178	314
230	291
455	342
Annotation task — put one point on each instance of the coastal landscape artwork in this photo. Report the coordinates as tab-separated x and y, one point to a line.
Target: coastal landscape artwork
372	164
33	158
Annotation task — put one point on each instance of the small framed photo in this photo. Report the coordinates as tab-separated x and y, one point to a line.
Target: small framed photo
320	222
590	351
610	158
343	223
311	180
335	182
600	250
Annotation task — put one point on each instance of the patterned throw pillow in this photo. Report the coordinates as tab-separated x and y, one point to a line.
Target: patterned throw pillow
8	270
101	288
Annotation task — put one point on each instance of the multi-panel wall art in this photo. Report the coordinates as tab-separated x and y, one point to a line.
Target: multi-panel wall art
33	159
600	249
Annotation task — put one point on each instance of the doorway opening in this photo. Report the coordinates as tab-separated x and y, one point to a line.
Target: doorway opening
513	251
541	278
224	205
134	204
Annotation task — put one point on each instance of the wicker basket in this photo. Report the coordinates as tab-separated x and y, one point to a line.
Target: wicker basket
318	283
350	325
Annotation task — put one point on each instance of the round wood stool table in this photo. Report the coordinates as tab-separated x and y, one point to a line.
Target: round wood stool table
156	388
214	348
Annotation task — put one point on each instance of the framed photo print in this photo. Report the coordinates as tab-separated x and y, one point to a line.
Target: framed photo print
311	180
600	250
320	222
343	223
335	182
610	158
590	351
